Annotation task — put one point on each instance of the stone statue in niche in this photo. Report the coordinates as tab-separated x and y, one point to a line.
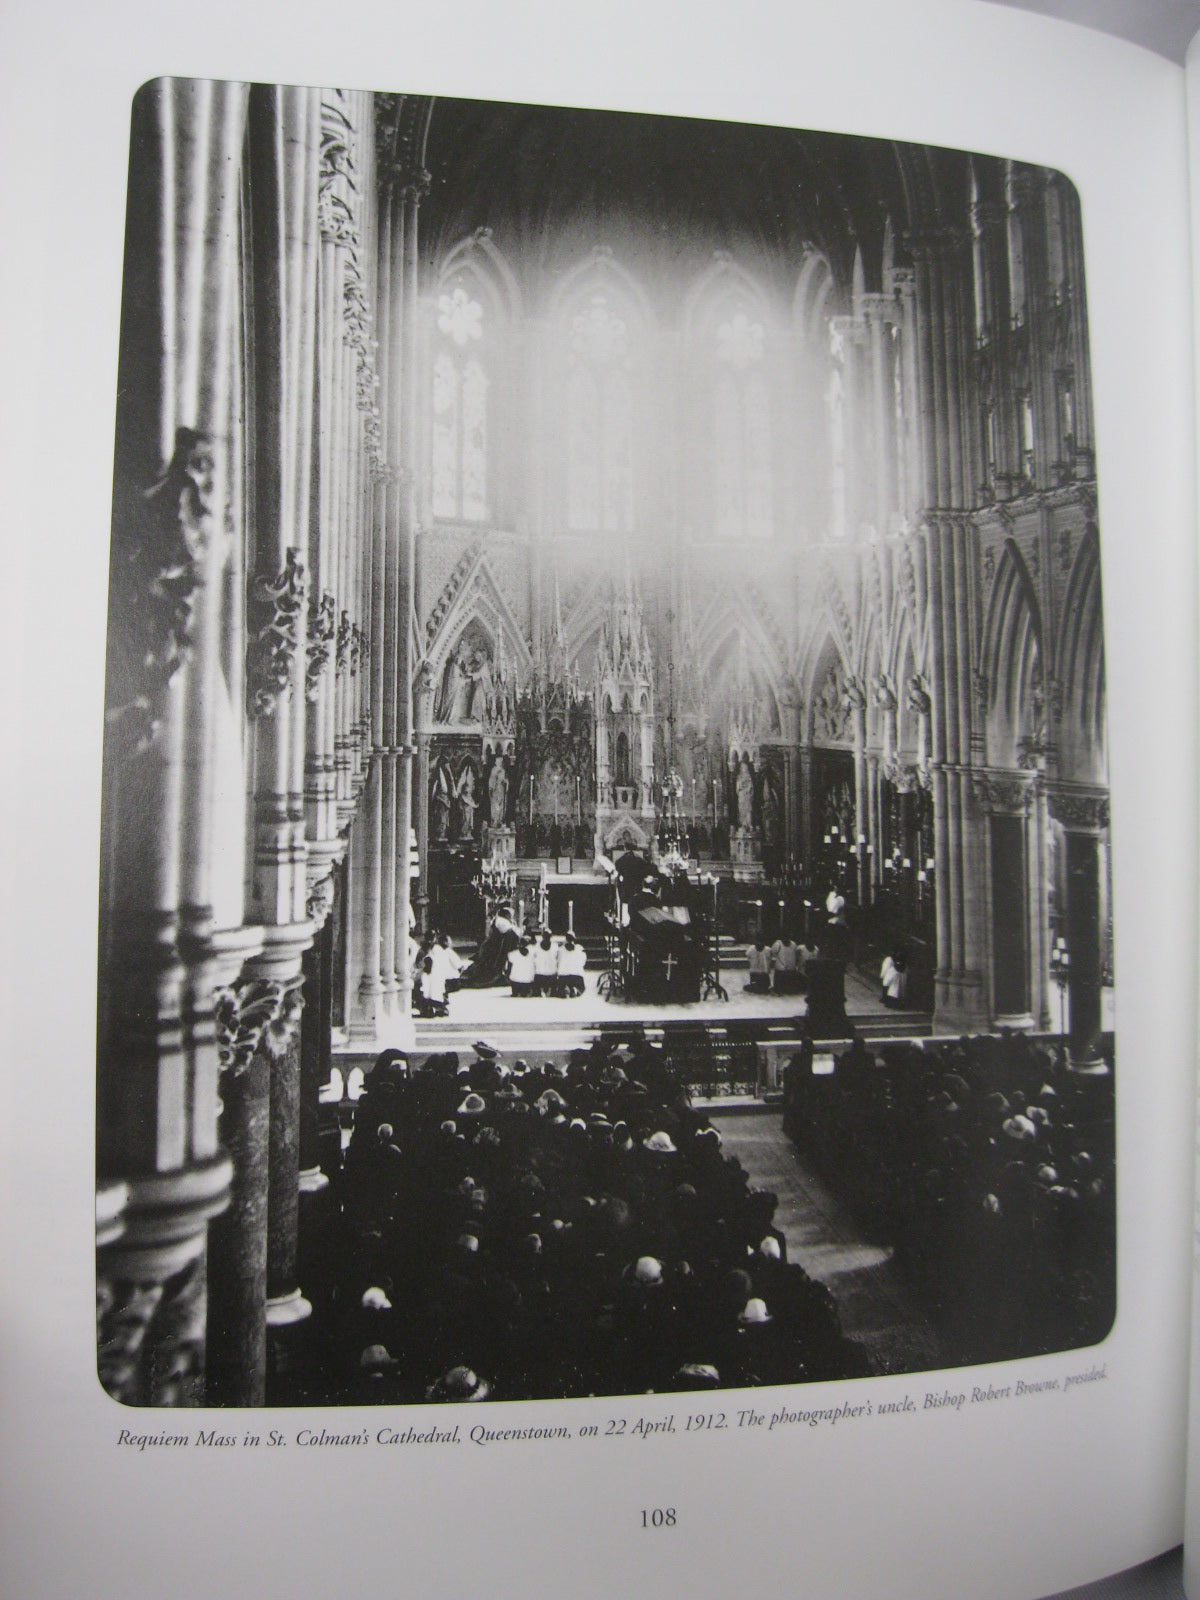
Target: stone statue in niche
744	788
466	683
468	802
830	707
439	804
918	696
498	793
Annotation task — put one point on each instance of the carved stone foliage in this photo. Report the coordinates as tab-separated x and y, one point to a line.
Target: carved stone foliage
450	592
150	1336
1001	791
158	548
254	1014
320	901
274	619
322	626
345	642
1079	811
124	1312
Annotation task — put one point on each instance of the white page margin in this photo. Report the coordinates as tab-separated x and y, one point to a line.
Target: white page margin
1019	1501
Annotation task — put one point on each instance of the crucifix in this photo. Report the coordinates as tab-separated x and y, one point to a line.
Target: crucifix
669	964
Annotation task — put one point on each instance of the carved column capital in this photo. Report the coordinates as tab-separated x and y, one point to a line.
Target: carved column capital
158	550
275	616
413	182
320	901
345	640
254	1014
1079	810
1004	792
322	626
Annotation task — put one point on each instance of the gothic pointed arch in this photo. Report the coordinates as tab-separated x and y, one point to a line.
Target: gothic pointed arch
732	352
475	302
476	597
1080	667
729	636
1012	664
827	675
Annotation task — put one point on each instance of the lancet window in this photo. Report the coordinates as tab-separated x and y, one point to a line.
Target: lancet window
599	421
460	407
741	431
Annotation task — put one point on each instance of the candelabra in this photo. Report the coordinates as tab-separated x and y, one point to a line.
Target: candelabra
496	883
672	840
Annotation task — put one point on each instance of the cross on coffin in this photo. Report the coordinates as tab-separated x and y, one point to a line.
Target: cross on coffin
670	963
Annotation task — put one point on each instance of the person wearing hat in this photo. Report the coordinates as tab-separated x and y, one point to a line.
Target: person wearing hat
459	1384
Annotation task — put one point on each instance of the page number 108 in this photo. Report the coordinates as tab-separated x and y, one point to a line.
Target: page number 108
660	1517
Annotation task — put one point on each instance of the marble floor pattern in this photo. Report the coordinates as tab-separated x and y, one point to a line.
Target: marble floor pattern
878	1310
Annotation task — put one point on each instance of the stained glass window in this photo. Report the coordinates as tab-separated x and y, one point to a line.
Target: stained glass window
460	390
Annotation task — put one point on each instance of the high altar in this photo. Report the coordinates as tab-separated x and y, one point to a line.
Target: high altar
540	767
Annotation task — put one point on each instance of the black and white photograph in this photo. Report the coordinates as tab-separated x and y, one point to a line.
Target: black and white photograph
606	883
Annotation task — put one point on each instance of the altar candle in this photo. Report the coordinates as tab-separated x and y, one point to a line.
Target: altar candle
531	797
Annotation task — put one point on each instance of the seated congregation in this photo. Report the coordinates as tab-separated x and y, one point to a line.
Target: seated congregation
516	1232
988	1167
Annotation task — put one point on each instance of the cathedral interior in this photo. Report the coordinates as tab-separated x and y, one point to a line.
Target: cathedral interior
504	490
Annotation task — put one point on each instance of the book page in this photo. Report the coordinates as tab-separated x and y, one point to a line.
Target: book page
1022	1476
1192	1511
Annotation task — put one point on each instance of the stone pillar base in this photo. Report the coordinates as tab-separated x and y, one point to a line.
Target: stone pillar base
1087	1066
959	1004
288	1309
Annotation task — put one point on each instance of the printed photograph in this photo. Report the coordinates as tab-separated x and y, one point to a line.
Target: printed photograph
605	877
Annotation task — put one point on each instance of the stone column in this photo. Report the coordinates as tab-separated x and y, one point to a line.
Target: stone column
415	185
950	265
1084	817
258	1021
858	703
284	126
941	827
805	806
316	1027
874	850
424	715
907	405
158	1153
927	486
876	308
394	641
